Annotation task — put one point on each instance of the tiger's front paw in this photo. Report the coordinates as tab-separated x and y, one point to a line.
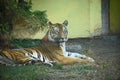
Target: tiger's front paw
87	58
90	59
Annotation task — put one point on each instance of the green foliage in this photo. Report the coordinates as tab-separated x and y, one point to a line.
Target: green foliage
10	10
25	43
26	5
42	16
4	28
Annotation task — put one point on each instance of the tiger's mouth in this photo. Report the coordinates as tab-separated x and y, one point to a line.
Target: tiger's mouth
61	40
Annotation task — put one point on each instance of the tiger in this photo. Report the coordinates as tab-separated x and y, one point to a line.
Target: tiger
52	50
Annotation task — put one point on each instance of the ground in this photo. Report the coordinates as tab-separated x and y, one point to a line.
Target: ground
105	51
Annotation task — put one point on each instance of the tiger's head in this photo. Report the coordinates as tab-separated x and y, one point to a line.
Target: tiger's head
57	32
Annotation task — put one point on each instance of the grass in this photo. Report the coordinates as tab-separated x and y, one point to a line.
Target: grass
58	72
42	72
31	72
83	67
28	72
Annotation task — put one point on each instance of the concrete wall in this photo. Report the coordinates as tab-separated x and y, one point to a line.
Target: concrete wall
84	16
115	16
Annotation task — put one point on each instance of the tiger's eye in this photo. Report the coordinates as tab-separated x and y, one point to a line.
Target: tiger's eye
64	30
56	29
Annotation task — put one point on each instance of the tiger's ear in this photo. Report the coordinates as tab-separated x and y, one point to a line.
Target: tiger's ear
49	23
65	22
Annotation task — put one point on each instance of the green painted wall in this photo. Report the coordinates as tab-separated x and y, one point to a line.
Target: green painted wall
115	16
84	16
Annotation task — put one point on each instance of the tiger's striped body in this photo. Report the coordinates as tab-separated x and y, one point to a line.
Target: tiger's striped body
51	50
